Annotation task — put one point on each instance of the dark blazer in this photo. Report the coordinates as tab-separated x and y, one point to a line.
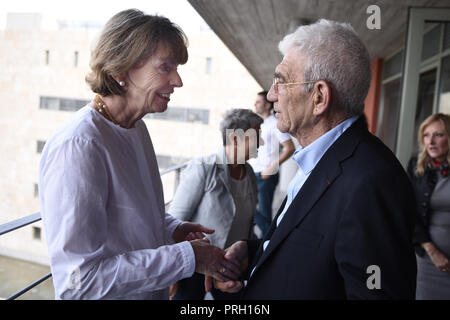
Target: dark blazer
355	210
424	187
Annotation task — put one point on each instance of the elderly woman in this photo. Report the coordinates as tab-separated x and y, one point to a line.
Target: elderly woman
220	191
101	196
430	175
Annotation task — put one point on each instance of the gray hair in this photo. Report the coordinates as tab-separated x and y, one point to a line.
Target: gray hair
236	119
336	55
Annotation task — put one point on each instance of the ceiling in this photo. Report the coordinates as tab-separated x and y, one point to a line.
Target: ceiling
252	29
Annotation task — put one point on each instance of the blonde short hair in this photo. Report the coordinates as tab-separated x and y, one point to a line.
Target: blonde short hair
423	157
129	38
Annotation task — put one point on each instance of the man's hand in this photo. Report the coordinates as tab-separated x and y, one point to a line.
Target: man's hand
237	252
210	261
187	231
270	170
273	167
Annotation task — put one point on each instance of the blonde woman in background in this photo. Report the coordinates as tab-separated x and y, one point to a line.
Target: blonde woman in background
429	172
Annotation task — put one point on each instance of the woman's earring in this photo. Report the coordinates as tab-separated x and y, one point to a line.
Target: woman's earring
121	83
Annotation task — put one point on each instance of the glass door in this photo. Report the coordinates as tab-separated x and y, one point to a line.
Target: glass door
444	89
426	92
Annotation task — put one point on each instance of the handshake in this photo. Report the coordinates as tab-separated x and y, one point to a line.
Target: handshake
222	268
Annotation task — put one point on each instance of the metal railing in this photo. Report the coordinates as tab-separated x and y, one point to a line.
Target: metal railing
22	222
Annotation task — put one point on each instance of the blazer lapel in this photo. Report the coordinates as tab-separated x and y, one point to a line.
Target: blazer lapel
317	183
320	179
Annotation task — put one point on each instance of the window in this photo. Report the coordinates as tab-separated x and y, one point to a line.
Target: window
425	101
36	233
390	112
431	40
182	115
444	89
75	59
64	104
446	44
36	190
393	65
208	65
39	146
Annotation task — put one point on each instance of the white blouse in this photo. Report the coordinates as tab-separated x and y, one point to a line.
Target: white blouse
102	205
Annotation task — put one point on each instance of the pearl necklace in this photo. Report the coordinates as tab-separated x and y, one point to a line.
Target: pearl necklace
102	108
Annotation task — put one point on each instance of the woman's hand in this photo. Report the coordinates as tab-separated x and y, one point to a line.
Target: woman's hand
238	253
211	261
439	259
188	231
173	290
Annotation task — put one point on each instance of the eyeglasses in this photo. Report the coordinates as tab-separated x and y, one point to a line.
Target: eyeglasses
276	83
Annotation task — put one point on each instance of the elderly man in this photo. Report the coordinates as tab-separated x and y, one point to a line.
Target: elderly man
268	161
344	231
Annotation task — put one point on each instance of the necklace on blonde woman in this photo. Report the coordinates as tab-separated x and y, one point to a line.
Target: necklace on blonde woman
102	108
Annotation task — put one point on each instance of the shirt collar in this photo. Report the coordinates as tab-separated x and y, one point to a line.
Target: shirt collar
308	157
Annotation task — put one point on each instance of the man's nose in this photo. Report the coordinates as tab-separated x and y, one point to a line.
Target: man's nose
271	95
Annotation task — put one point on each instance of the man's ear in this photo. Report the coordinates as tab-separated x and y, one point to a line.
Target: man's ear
321	97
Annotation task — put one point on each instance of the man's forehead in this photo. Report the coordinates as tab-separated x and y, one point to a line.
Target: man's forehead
283	70
293	62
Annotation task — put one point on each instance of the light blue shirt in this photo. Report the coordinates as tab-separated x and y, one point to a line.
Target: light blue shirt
307	159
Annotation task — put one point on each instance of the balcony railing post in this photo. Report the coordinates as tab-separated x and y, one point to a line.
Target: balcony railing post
177	180
22	222
28	288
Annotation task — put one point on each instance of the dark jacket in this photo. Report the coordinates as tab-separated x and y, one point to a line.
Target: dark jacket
355	210
424	187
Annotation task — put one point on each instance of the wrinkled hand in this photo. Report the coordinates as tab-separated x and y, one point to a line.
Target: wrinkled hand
440	260
437	257
237	252
188	231
210	261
